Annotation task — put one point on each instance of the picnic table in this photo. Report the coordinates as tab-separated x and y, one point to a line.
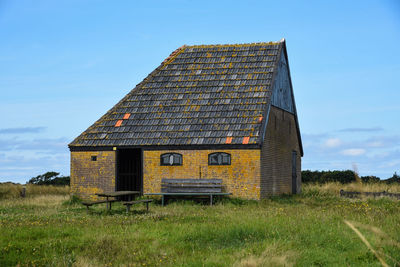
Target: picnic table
108	195
131	199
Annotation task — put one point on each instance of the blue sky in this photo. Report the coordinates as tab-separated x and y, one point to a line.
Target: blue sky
63	64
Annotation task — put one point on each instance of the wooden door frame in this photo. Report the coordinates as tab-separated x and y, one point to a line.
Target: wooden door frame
139	152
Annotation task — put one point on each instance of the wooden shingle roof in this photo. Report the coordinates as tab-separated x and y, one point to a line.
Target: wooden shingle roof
199	95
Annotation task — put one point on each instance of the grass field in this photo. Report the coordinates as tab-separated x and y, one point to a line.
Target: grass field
302	230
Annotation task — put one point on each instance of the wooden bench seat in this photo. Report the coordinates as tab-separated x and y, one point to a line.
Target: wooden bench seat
128	204
191	187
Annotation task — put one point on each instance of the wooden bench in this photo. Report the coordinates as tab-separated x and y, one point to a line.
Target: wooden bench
191	187
128	204
91	203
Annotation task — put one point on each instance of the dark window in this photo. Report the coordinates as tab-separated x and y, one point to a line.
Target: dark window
169	159
219	158
94	158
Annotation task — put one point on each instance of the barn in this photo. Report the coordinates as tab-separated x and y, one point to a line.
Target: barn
208	111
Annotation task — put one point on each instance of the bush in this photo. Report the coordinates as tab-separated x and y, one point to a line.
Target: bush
322	177
50	178
343	177
394	179
370	179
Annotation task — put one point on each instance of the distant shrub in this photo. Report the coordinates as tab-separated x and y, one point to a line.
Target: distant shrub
394	179
370	179
343	177
50	178
322	177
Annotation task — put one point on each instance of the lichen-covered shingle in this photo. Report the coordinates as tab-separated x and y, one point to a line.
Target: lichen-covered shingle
200	95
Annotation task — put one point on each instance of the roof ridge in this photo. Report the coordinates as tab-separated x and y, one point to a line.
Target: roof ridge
235	45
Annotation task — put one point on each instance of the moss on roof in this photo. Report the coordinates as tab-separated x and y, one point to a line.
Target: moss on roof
199	95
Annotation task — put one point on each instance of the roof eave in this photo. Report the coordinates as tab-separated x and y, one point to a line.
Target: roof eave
165	147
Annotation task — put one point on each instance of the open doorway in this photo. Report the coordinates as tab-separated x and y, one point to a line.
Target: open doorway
129	170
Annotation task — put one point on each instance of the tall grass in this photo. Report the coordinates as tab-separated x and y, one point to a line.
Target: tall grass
333	188
10	190
300	230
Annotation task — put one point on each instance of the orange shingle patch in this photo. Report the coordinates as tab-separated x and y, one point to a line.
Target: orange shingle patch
228	140
246	140
119	122
126	116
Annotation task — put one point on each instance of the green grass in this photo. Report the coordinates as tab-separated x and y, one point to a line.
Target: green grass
302	230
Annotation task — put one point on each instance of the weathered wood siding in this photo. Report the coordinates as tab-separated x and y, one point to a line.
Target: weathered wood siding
280	138
282	93
276	154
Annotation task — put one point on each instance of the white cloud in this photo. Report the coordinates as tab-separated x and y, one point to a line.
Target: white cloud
390	164
22	159
332	142
371	129
388	141
21	166
353	152
53	145
22	130
375	144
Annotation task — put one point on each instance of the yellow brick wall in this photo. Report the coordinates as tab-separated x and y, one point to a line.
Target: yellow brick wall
241	178
89	177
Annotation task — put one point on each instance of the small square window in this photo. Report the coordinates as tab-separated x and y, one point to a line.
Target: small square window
94	158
